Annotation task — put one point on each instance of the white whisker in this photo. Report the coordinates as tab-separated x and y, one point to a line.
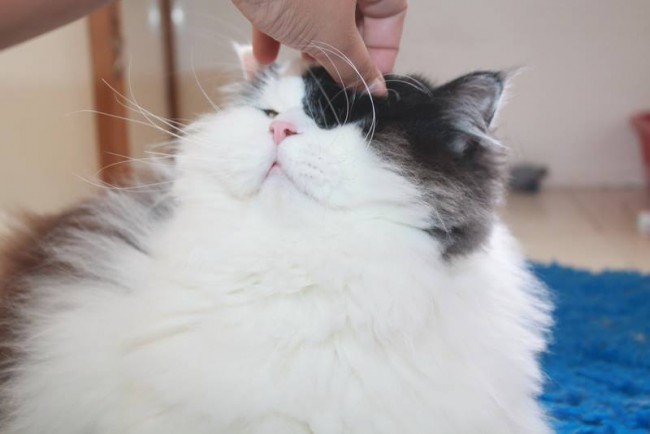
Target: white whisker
198	82
336	51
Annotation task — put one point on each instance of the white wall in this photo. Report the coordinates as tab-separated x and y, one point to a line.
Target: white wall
46	145
588	70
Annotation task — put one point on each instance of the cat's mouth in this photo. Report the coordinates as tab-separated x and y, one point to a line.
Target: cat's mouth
275	166
276	169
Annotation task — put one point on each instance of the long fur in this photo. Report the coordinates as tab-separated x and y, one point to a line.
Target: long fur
358	287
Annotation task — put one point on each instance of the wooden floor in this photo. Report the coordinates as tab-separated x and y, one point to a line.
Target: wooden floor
593	229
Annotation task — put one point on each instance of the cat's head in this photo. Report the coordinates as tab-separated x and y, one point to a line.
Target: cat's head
421	156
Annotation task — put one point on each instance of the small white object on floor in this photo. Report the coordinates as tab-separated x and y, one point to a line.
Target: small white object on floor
643	222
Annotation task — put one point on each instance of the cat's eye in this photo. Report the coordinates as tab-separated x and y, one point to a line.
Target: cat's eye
270	113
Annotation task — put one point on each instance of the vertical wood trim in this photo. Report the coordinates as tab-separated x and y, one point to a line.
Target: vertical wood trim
108	72
169	55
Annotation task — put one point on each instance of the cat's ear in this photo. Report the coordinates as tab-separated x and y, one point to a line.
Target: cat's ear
478	94
249	65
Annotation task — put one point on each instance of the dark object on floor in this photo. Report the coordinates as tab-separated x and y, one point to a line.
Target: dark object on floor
527	178
598	367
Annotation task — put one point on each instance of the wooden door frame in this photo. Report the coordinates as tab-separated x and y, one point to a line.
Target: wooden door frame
106	44
169	54
109	82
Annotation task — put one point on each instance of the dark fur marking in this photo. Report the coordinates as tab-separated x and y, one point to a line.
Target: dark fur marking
438	136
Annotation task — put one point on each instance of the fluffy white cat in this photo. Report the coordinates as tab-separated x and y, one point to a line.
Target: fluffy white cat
314	262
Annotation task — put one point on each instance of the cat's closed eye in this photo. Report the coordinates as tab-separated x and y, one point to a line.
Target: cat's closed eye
270	113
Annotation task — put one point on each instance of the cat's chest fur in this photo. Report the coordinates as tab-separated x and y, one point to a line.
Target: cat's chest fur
243	323
303	285
326	325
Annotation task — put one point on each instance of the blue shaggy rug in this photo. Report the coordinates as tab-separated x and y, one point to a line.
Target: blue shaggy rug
598	366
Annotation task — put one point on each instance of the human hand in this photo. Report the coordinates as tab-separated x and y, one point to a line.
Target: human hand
356	41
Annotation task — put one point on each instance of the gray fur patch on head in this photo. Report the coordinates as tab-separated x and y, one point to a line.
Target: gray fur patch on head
247	92
462	203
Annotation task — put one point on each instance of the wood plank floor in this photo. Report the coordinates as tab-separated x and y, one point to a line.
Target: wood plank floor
589	228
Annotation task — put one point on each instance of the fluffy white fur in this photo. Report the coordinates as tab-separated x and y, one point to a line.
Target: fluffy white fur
299	300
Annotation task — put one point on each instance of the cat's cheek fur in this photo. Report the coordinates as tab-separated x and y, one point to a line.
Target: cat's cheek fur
228	152
329	166
339	170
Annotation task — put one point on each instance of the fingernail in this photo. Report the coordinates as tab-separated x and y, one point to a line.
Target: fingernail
378	87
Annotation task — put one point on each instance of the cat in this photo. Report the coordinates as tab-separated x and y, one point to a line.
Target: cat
315	261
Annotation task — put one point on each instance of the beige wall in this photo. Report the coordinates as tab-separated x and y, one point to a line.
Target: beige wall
205	30
588	70
48	155
46	145
144	60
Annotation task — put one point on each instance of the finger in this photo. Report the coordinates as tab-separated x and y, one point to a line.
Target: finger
384	58
265	48
350	64
381	27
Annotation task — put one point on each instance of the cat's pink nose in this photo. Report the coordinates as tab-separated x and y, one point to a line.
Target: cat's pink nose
281	130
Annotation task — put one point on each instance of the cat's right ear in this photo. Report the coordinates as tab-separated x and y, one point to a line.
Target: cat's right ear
477	95
249	65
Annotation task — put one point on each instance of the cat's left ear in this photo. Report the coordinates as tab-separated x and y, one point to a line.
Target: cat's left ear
249	65
478	94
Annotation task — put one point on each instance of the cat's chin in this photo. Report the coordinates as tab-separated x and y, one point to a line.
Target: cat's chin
282	186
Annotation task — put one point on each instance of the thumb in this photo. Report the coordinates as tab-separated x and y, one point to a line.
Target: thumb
265	48
350	64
